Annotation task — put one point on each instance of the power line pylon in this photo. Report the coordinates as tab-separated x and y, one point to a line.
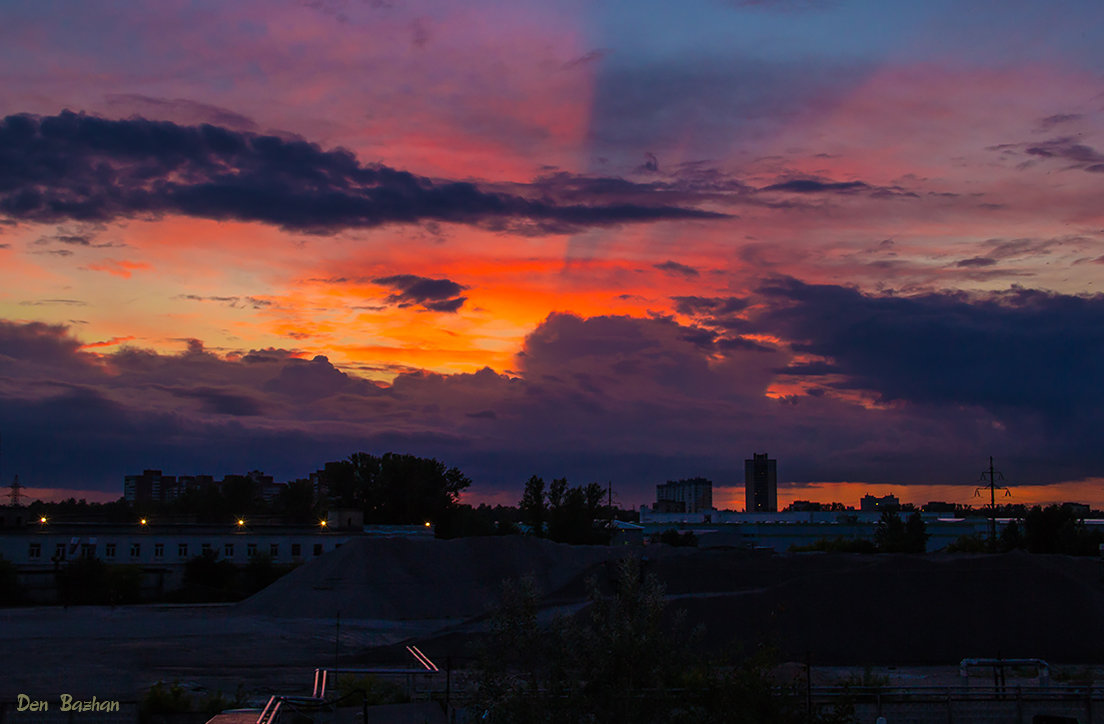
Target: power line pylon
993	488
16	493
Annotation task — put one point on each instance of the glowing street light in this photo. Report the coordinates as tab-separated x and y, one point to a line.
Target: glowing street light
42	520
241	522
322	523
143	521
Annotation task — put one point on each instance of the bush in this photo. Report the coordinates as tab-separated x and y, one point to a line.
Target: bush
837	545
673	538
10	590
162	698
974	543
355	690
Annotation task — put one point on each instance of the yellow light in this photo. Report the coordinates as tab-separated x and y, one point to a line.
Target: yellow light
323	524
427	524
42	519
241	522
142	521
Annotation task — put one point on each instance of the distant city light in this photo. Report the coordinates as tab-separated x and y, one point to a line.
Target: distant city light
241	522
42	519
323	524
142	521
427	524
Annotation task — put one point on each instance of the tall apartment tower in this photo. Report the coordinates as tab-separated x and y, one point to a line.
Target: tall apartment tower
694	495
761	484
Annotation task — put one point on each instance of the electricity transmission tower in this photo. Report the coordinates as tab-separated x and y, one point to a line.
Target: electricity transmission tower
993	475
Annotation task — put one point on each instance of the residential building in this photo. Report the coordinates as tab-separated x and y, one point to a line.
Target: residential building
761	484
694	495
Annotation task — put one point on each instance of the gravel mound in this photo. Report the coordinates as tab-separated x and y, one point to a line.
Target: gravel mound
914	609
400	579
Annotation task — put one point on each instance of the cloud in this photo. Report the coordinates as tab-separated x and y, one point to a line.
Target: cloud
50	302
437	295
673	267
976	261
219	401
1067	148
232	302
1048	123
84	168
1022	351
119	268
813	186
841	385
180	110
587	58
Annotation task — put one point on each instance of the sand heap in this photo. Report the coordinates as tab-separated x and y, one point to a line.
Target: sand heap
400	579
900	609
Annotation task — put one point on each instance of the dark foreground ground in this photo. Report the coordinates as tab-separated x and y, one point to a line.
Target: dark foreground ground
840	610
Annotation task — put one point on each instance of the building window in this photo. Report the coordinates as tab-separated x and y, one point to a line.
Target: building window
135	550
109	550
59	552
317	549
88	550
158	550
296	550
182	550
35	551
273	549
206	547
228	550
251	550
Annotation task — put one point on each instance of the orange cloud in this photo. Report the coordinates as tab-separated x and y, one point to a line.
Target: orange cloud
119	268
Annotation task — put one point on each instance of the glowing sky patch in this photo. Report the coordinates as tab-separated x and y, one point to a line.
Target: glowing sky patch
617	242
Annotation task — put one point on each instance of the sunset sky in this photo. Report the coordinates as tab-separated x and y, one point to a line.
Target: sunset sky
613	241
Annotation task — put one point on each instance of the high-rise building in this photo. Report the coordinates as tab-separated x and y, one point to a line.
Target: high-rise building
761	484
694	495
149	487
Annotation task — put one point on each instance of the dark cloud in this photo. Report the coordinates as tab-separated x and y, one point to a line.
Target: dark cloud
1046	124
952	378
438	295
586	59
650	165
50	302
1067	148
813	186
710	305
687	185
219	401
1022	350
83	168
976	261
677	269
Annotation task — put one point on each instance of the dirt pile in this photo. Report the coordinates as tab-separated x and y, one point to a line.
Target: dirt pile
399	579
908	609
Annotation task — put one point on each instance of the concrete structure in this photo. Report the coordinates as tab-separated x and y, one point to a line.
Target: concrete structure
685	496
871	504
781	530
154	487
760	484
160	552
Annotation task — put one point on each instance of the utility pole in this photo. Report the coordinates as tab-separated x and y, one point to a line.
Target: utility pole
993	487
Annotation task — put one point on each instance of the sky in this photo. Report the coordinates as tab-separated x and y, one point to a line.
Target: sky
620	241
